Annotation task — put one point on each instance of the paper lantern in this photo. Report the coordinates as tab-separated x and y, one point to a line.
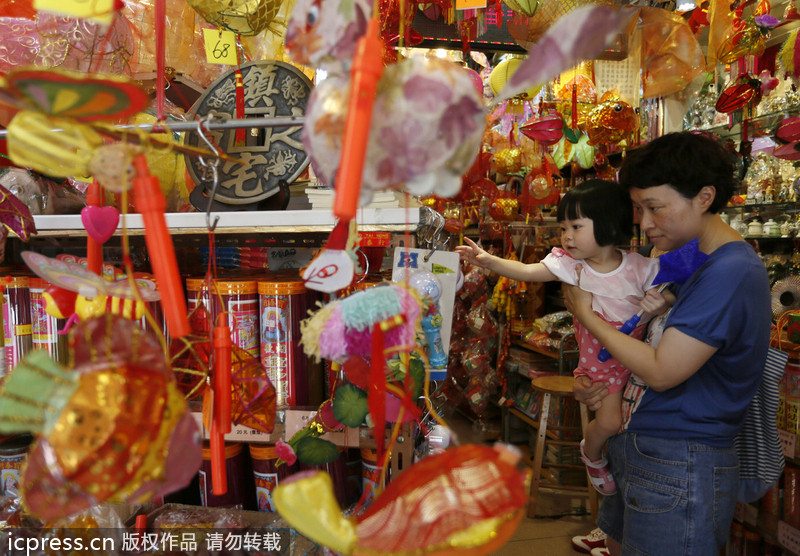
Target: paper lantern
745	90
523	7
547	129
503	72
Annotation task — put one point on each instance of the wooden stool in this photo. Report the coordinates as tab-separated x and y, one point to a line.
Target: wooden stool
559	386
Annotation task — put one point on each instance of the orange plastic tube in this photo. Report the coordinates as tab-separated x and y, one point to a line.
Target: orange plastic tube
151	203
94	249
219	475
222	377
365	73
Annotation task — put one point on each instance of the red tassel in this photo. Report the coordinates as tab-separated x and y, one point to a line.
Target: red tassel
222	376
241	133
574	106
376	396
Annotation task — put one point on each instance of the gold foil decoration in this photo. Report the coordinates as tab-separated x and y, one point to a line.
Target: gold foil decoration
245	17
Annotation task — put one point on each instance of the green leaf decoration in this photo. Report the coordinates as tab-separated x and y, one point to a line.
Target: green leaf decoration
316	451
350	405
417	370
573	136
33	395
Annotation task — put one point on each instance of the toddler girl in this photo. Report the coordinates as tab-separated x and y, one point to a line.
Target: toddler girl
594	217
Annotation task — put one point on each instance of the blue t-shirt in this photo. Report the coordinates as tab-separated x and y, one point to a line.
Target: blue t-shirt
725	304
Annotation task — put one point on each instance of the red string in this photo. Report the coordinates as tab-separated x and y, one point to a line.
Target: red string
160	23
376	396
241	133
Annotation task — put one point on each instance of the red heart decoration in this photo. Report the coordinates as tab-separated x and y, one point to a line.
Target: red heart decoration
100	222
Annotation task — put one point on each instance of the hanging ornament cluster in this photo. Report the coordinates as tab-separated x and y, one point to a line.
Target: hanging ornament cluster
142	443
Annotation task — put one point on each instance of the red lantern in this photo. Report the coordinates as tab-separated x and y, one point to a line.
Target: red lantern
548	129
789	129
745	90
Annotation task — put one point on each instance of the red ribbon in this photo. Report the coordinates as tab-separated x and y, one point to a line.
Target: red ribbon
376	395
160	22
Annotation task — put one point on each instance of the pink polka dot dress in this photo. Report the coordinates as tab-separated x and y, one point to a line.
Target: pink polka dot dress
616	297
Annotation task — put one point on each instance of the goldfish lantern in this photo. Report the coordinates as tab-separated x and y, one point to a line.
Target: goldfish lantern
500	76
546	129
507	161
523	7
244	17
744	91
113	428
466	500
611	121
504	207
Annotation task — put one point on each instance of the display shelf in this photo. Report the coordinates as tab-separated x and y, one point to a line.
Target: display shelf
789	537
759	126
284	221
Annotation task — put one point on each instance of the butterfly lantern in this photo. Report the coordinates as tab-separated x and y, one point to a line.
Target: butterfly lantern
77	293
113	428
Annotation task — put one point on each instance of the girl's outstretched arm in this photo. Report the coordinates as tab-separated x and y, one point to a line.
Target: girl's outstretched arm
516	270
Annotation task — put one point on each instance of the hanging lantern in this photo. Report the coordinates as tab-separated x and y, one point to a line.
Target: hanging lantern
789	129
244	17
547	129
523	7
745	90
503	72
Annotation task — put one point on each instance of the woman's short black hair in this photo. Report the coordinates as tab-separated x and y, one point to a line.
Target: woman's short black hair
606	204
686	161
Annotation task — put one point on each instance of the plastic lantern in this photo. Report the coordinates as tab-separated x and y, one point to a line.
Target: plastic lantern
745	90
547	129
524	7
503	72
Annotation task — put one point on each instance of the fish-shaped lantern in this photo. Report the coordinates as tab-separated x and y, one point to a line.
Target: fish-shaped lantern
468	499
114	427
320	33
611	121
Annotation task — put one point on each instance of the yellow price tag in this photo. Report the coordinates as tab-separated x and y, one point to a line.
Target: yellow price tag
98	10
220	47
470	4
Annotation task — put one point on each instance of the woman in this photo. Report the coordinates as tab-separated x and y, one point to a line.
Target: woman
675	465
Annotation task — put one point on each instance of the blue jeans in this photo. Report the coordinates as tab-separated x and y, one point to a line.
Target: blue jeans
674	497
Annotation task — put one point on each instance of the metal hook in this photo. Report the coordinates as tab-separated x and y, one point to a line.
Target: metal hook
442	242
434	232
213	167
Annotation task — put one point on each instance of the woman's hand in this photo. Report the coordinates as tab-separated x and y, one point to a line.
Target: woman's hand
655	302
578	302
589	393
473	254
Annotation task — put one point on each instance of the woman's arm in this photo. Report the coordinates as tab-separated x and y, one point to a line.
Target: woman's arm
677	357
516	270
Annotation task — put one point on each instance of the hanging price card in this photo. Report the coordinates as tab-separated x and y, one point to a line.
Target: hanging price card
220	46
98	10
470	4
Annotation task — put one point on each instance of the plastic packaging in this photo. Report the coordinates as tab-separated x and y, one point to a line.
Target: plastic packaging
18	340
45	327
239	300
235	467
283	303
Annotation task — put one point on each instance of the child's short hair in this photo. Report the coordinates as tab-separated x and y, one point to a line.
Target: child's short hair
606	204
